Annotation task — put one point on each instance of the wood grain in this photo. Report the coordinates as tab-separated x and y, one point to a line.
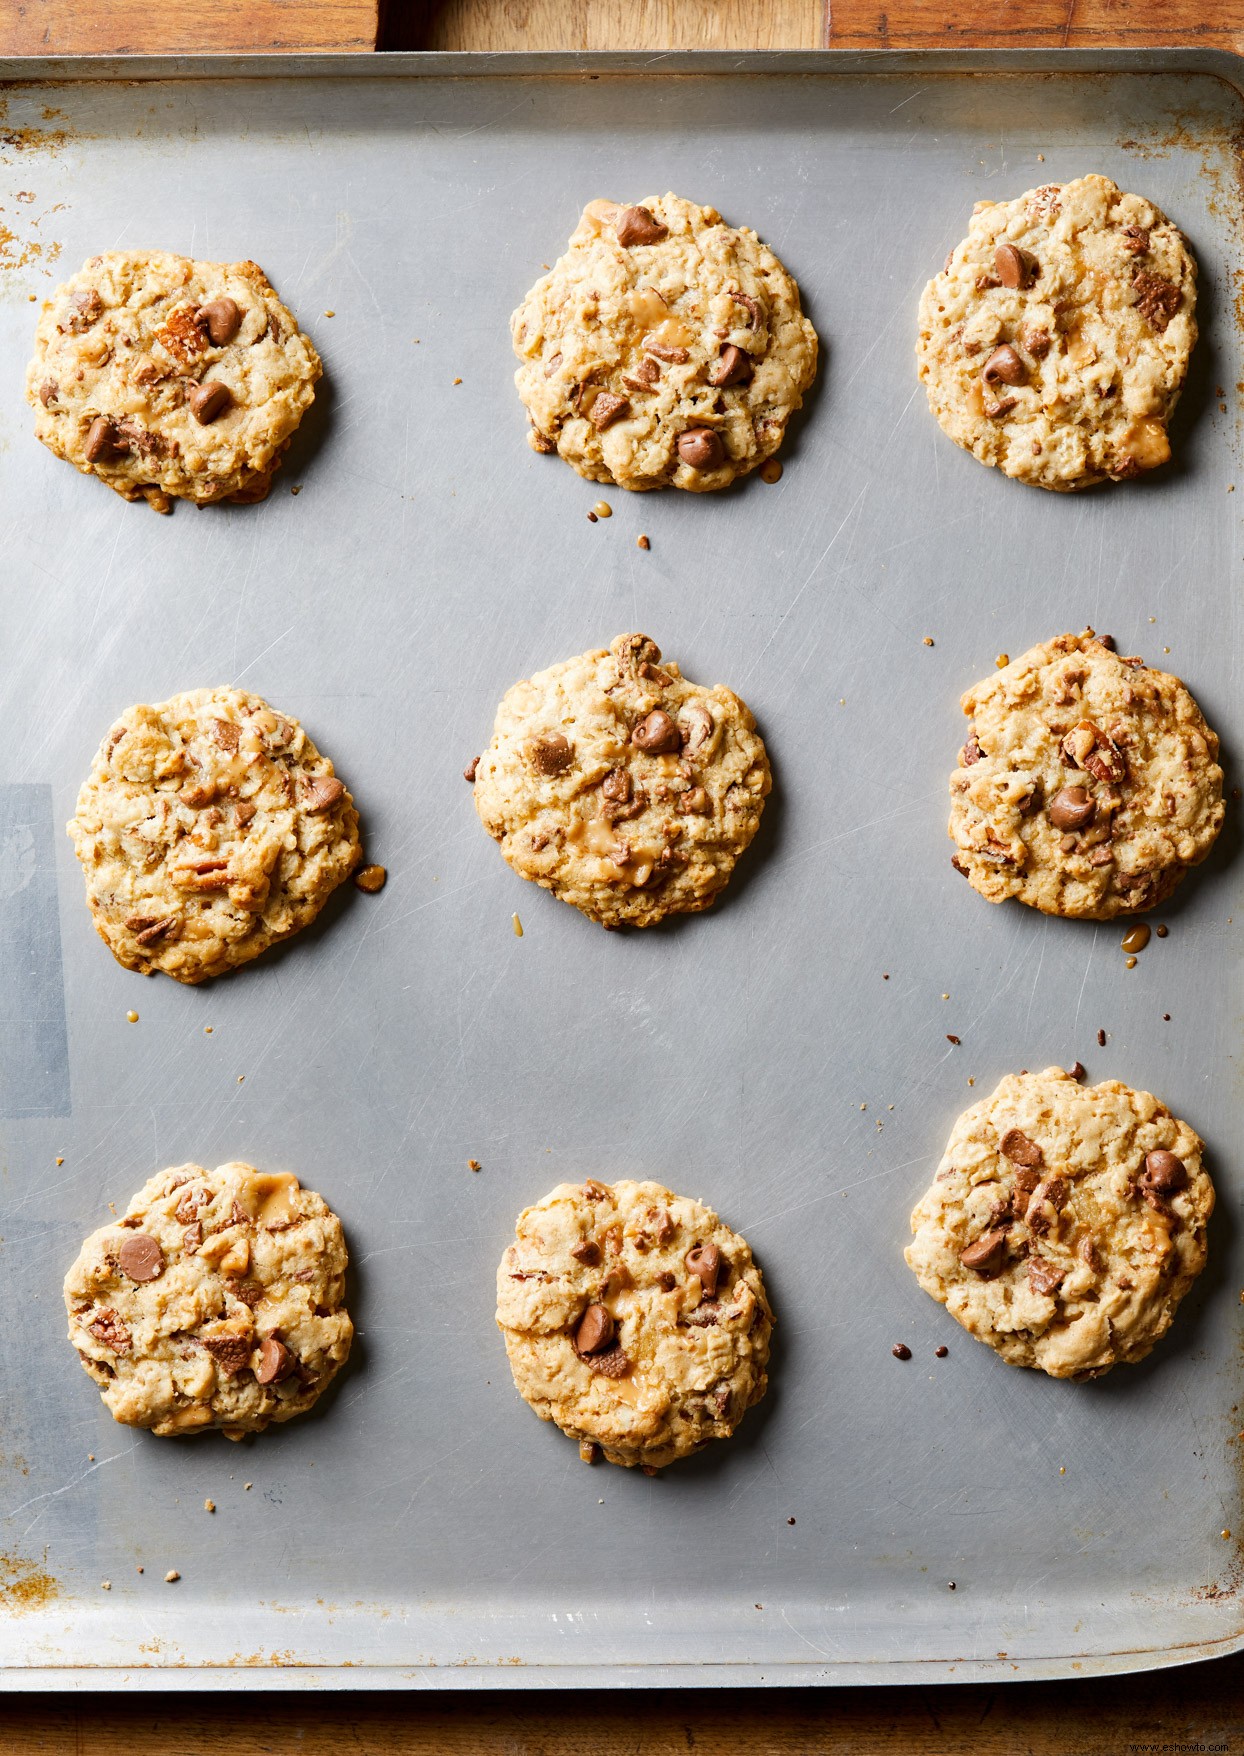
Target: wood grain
1202	1705
1018	24
191	27
607	24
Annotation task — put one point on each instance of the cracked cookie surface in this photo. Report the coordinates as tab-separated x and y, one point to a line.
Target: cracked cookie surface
665	348
634	1319
216	1300
1088	785
621	787
209	828
1065	1222
170	379
1055	342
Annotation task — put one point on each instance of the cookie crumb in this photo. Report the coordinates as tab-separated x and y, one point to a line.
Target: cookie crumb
209	1505
457	381
138	1569
60	1161
248	1486
641	542
473	1164
928	640
1003	659
172	1576
371	879
296	488
330	313
105	1585
518	926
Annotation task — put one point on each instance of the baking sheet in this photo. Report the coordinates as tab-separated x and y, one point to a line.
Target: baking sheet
422	1528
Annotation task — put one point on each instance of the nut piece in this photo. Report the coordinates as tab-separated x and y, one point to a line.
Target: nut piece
734	367
1004	366
275	1361
1072	808
1011	266
1016	1146
208	401
987	1255
595	1332
695	803
1163	1172
701	448
140	1257
551	753
658	734
223	319
639	225
704	1261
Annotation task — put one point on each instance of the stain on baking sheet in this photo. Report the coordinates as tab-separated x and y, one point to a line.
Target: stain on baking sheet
34	1042
25	1585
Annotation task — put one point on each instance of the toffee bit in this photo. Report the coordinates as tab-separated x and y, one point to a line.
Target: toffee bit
371	879
518	926
473	1164
132	1017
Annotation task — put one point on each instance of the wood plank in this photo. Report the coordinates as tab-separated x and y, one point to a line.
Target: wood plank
189	27
936	24
1200	1706
606	24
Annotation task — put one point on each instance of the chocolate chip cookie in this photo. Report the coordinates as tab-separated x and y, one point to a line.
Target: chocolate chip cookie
634	1319
214	1301
1088	785
665	348
1065	1222
170	379
620	786
210	827
1055	341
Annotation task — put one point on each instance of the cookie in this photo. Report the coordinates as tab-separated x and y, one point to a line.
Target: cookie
214	1301
621	787
1055	342
634	1319
210	827
170	379
1065	1222
665	348
1088	785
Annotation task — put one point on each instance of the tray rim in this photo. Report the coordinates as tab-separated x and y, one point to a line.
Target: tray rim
19	72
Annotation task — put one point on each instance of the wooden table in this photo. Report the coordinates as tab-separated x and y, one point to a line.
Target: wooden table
1198	1707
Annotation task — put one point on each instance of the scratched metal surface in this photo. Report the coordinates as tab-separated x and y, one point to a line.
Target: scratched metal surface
423	1527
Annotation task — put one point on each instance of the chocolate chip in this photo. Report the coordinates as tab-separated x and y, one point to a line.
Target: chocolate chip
1108	641
320	791
941	1352
1004	366
49	390
666	1281
1101	1039
227	734
901	1351
140	1257
638	225
87	303
608	408
701	448
616	786
595	1332
1158	299
586	1251
971	752
986	1255
100	440
1076	1070
672	356
209	401
734	367
1011	266
275	1361
1163	1172
551	753
1072	808
657	733
1043	1276
704	1261
1016	1146
223	318
468	773
230	1351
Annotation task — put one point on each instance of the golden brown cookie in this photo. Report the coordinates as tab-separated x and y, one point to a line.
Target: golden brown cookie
635	1319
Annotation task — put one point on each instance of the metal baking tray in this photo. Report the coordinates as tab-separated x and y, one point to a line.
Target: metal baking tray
423	1528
